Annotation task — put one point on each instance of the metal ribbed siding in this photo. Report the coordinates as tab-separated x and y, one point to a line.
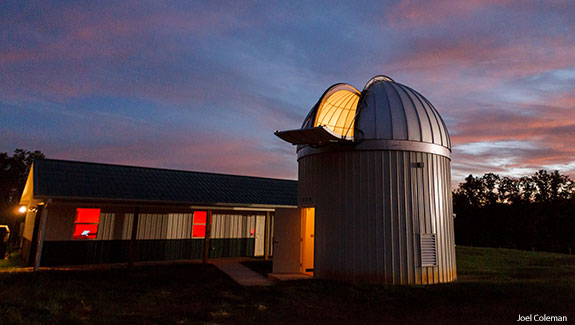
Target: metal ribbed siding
106	226
179	225
159	226
371	207
233	226
160	236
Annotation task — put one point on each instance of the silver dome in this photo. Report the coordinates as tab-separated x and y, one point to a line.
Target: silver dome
388	110
386	115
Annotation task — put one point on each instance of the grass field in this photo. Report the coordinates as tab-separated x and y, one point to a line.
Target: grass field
494	286
14	261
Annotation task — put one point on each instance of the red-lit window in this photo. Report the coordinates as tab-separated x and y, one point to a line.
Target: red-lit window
199	226
86	223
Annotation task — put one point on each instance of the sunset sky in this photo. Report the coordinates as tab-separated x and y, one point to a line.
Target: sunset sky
202	87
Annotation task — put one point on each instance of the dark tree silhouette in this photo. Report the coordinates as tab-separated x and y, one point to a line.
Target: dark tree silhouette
532	212
13	174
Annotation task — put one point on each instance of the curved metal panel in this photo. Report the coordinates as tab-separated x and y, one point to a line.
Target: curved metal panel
381	111
411	115
434	125
366	125
377	79
398	120
424	121
441	126
392	111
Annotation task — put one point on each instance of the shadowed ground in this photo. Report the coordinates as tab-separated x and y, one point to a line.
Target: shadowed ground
495	286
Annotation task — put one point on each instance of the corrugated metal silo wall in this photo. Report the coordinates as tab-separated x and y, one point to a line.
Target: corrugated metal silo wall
371	207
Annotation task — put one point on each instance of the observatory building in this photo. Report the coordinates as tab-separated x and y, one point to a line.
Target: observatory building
374	193
372	202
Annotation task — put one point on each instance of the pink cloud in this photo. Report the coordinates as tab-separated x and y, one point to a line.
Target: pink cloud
442	59
544	132
407	14
413	13
459	47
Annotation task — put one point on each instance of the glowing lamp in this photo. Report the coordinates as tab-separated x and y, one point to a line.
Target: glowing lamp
22	209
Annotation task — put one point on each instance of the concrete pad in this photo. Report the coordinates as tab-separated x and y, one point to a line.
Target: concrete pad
242	274
289	276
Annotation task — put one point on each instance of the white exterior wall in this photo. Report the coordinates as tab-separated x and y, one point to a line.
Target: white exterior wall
29	225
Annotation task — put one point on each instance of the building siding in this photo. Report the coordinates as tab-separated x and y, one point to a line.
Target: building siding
162	235
371	207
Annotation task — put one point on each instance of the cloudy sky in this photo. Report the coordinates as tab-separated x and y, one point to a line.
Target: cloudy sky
198	86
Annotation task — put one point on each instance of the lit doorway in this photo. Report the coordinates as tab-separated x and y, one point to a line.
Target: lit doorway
307	240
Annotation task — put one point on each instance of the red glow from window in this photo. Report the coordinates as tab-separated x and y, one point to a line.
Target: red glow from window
85	230
87	216
200	217
199	231
199	226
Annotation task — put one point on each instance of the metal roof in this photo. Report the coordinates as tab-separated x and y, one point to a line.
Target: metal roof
85	180
388	110
389	115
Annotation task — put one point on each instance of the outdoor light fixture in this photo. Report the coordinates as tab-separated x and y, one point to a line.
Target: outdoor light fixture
33	209
22	209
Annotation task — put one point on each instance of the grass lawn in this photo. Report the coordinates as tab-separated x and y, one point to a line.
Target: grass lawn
13	261
494	286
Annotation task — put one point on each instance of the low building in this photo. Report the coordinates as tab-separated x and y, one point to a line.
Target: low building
88	213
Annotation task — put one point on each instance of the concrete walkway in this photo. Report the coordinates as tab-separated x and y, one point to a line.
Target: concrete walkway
289	276
241	274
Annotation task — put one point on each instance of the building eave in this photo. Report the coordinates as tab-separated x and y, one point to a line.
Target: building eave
132	202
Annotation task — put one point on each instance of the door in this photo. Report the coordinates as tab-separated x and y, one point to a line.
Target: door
287	240
260	233
307	240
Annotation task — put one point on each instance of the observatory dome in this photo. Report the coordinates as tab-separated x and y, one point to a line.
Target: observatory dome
384	110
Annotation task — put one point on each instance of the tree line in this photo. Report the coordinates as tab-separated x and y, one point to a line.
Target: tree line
534	212
13	174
